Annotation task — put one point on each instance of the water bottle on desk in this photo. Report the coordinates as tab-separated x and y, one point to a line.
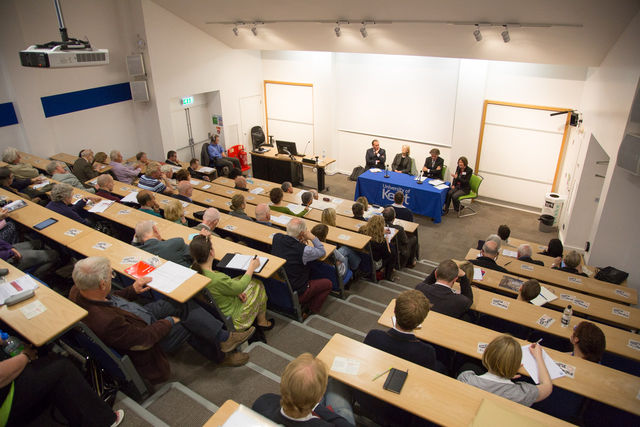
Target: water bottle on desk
566	316
324	155
12	346
250	177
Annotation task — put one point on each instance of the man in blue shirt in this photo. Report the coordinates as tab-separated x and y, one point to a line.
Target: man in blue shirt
218	155
154	180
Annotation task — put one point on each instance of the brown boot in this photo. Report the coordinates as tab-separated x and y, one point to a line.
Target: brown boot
235	339
235	359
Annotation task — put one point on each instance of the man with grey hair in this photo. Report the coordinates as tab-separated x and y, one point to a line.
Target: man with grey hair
146	332
148	238
306	198
185	191
59	173
104	187
298	255
154	180
263	215
122	172
524	255
210	220
19	170
240	183
83	169
488	256
287	187
61	202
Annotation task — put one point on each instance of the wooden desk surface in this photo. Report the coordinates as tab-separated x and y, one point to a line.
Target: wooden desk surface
591	306
592	380
35	161
60	315
273	154
566	280
222	414
426	393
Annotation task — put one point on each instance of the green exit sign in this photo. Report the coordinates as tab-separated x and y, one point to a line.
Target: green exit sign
187	101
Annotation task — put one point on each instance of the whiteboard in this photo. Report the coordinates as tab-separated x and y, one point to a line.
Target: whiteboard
403	97
290	102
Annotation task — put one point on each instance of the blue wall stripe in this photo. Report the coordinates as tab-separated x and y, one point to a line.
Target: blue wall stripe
69	102
8	114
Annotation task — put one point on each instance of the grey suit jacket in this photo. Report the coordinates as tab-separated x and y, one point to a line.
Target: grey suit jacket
172	250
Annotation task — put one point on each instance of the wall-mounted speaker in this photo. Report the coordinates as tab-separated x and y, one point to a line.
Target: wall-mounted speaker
135	65
139	91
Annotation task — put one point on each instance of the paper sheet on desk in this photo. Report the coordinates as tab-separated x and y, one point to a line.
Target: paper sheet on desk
529	363
101	206
296	209
478	274
130	198
169	276
42	184
543	297
22	283
205	169
256	190
241	262
441	186
282	220
512	254
436	182
375	170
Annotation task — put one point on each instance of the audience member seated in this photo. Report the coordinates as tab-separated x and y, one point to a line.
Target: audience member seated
529	290
243	298
19	170
524	255
59	172
401	211
194	165
588	342
100	157
142	158
20	186
406	245
504	232
438	288
122	172
358	211
287	187
293	248
433	165
364	201
146	332
315	194
218	155
571	264
303	401
167	178
306	199
342	263
234	173
181	175
84	168
554	249
263	215
62	203
240	183
104	187
147	201
174	212
402	161
30	254
238	206
375	156
154	180
488	256
185	191
147	237
172	158
210	220
502	358
460	186
380	249
329	218
276	196
29	385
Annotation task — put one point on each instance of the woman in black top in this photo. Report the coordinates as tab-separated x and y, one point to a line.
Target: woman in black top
460	186
402	161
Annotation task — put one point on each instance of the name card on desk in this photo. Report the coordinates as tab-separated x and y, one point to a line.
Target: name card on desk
620	312
574	280
545	321
622	293
526	267
496	302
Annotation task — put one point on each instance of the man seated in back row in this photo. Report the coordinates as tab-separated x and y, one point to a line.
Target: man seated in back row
154	180
147	237
488	256
104	187
59	173
524	254
438	288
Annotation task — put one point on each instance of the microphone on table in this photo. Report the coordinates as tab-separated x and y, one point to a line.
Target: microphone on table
304	153
386	171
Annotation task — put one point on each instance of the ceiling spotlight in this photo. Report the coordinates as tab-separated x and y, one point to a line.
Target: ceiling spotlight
505	34
254	30
337	30
363	30
235	30
477	34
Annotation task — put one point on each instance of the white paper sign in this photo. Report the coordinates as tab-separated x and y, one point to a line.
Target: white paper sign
567	297
569	371
526	267
345	365
634	344
344	237
230	227
482	346
206	186
496	302
72	232
620	312
574	280
581	303
102	246
545	321
33	309
622	293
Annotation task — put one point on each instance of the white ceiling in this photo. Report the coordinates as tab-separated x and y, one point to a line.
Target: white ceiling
602	23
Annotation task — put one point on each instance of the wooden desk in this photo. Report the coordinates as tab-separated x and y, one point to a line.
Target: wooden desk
591	380
60	316
592	306
222	414
426	393
70	159
566	280
37	162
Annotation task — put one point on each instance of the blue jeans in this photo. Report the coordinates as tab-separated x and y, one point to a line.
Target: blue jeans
338	397
351	255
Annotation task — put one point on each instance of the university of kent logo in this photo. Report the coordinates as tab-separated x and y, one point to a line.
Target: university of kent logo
388	191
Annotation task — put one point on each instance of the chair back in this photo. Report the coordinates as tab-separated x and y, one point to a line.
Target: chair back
475	182
444	172
414	170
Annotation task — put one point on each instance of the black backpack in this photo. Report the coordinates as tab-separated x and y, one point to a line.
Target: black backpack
357	171
612	275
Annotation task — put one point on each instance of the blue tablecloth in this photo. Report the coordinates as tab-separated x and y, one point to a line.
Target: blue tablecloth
423	199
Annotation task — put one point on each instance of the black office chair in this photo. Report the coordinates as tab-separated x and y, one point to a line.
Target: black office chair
257	136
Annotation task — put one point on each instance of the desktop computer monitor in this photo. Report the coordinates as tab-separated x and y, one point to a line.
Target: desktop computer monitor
288	146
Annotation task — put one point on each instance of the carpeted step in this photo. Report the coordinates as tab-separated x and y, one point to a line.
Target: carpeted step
134	414
366	303
407	278
294	338
350	315
382	292
268	357
423	267
329	327
177	405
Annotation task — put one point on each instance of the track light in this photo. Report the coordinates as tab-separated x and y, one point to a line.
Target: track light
363	30
254	30
477	34
337	30
235	30
505	34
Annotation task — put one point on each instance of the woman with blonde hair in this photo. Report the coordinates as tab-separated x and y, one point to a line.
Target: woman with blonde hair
382	254
364	201
174	212
328	217
502	358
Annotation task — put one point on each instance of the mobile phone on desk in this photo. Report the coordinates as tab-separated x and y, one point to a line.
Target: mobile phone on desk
44	224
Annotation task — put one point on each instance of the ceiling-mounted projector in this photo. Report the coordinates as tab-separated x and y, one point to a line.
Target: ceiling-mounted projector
63	54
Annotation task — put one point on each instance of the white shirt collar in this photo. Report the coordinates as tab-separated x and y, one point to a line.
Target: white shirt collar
395	205
446	286
492	377
402	332
306	418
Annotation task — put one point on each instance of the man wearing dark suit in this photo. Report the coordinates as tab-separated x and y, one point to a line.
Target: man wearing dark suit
437	288
263	215
358	211
172	159
433	165
488	256
407	245
148	238
210	220
185	190
524	254
375	157
402	212
82	168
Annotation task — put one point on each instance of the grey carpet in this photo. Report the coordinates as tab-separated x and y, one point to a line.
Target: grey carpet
346	314
176	408
292	338
268	360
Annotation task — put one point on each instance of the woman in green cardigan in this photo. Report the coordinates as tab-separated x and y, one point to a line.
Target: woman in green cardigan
242	298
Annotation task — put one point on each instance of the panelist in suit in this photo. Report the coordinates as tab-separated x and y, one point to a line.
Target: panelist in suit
402	161
375	157
437	287
433	164
460	186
